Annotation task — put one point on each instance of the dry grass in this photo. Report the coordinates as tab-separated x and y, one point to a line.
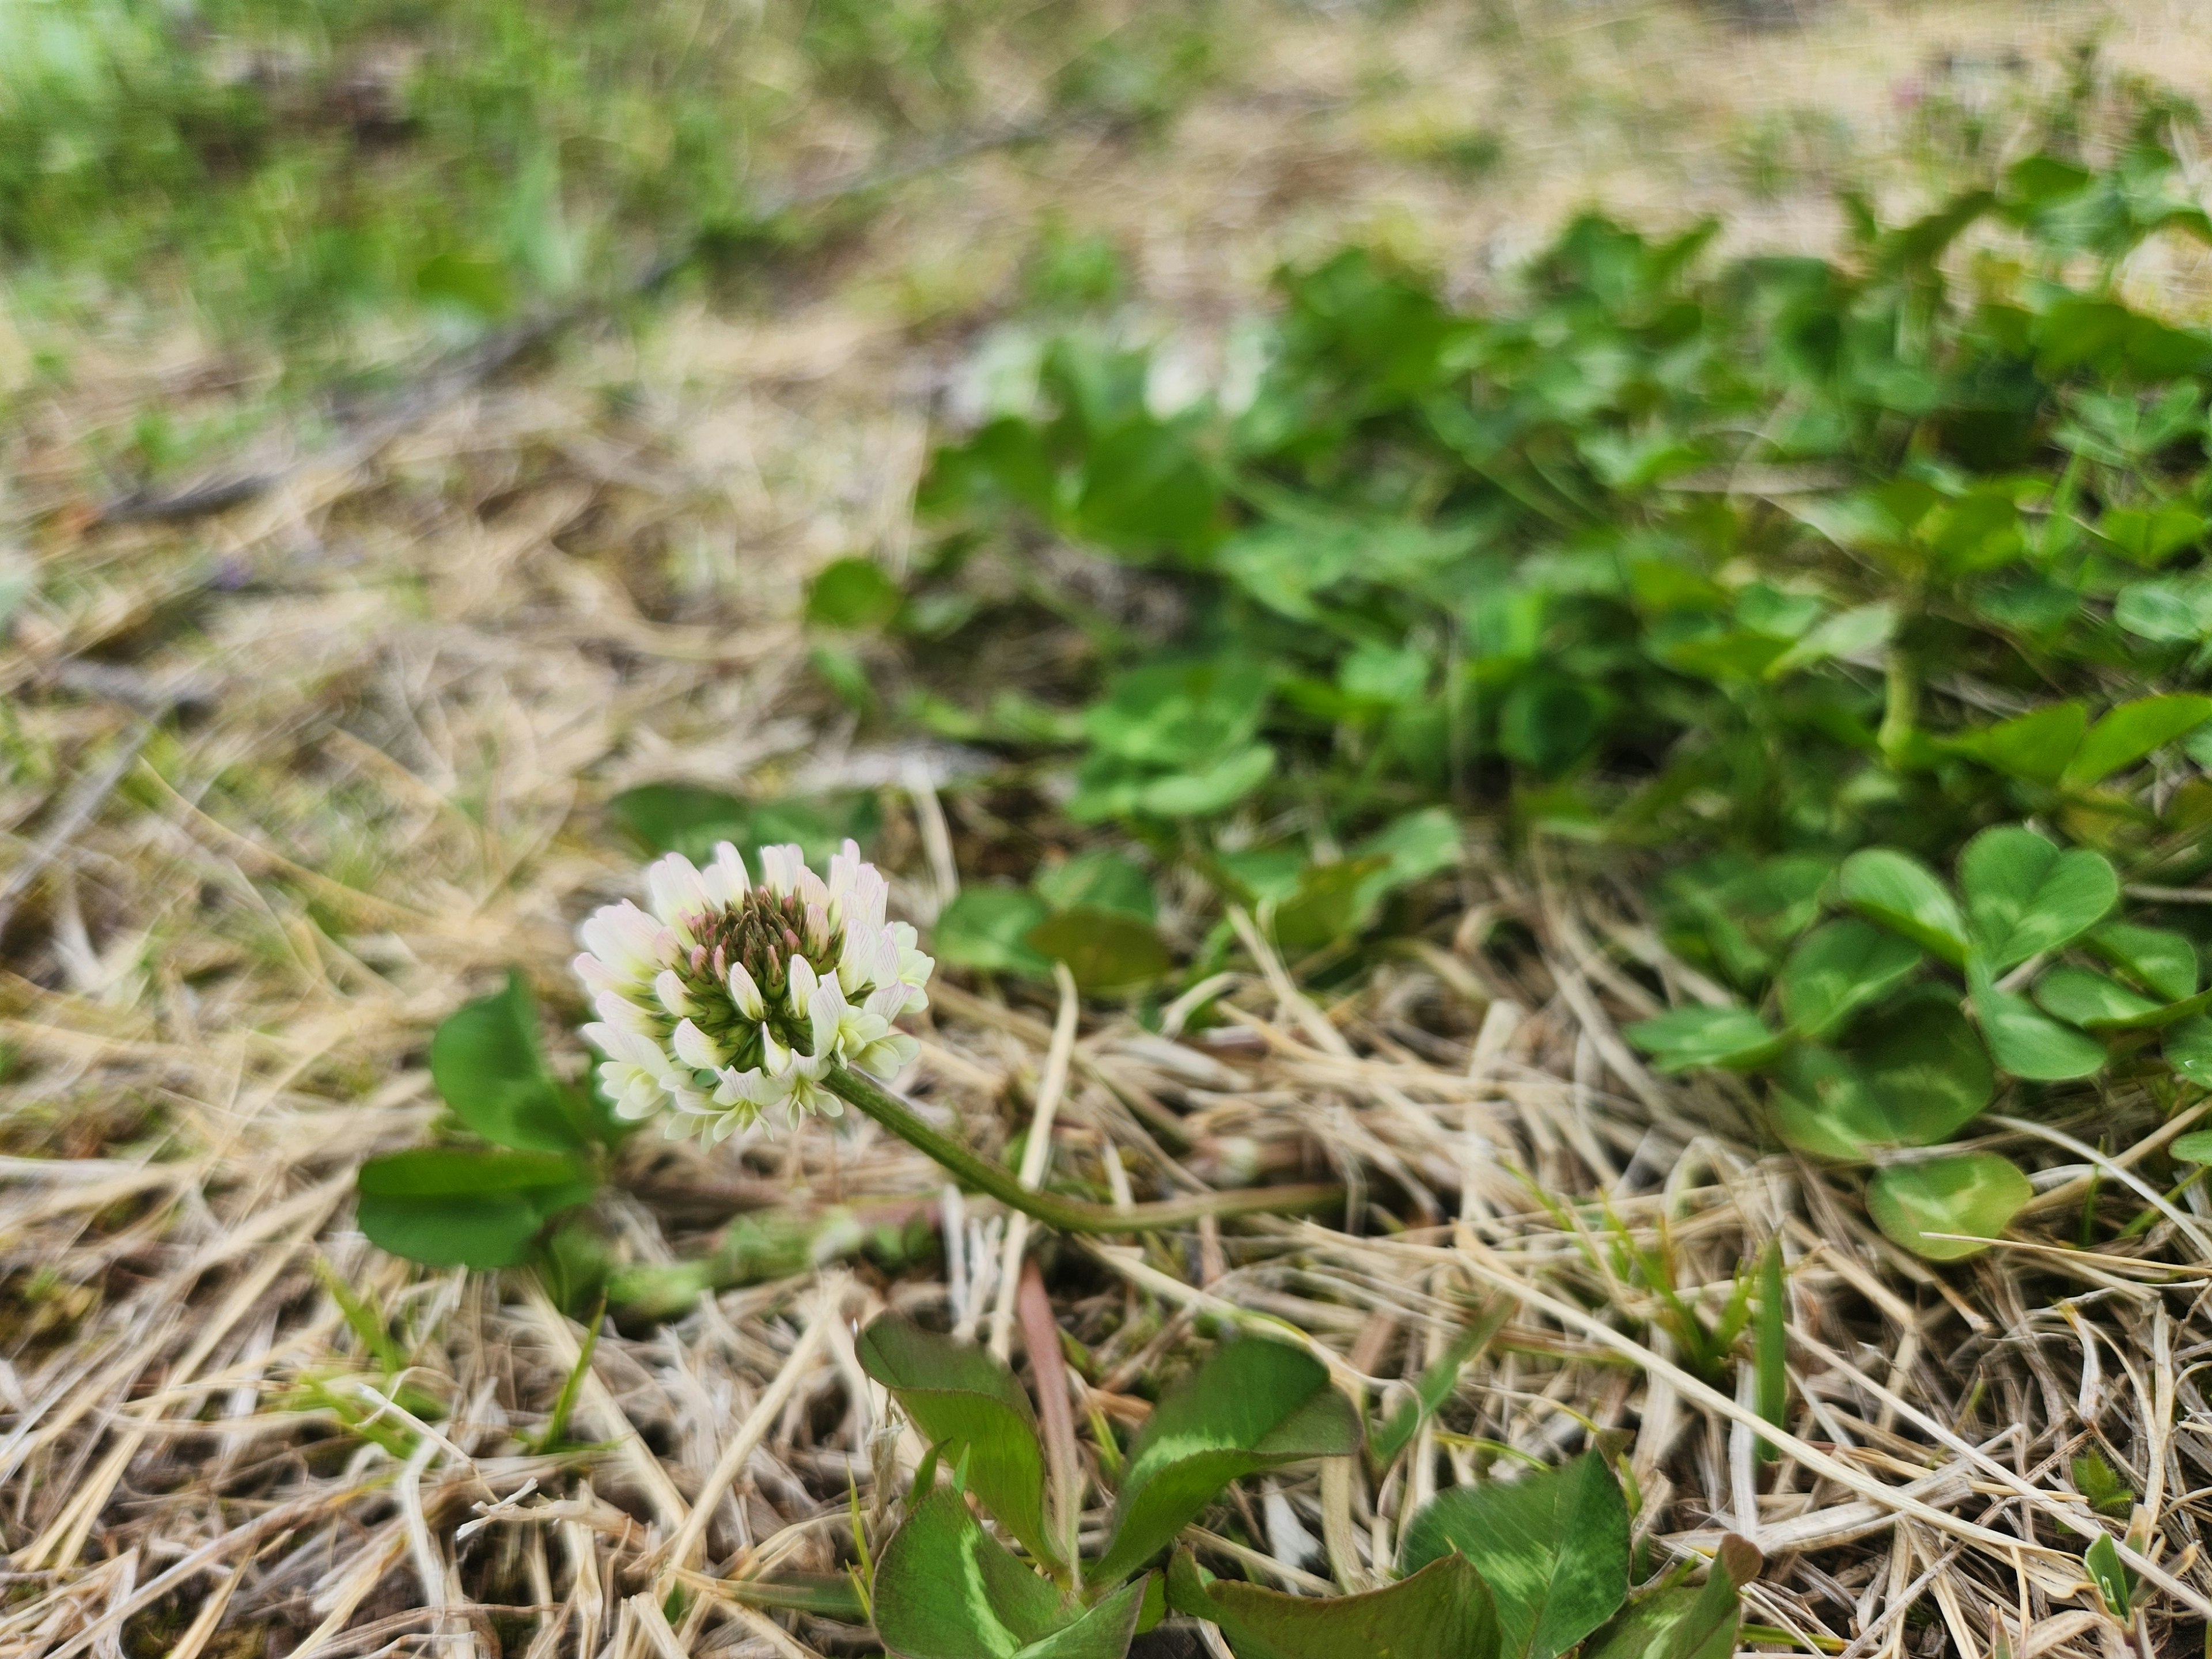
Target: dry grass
287	784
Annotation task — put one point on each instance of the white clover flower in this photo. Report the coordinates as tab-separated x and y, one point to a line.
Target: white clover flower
712	1007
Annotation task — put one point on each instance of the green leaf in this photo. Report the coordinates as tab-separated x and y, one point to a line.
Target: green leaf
967	1402
1685	1624
2151	536
2082	998
2035	747
2026	896
1442	1612
2187	1047
1329	903
2195	1148
1548	723
1683	1038
1770	1356
1973	1194
1839	968
1103	1632
1907	897
1097	880
2026	1043
1220	785
946	1589
450	1208
2161	961
2114	1579
2129	733
1104	949
1846	634
487	1066
855	593
988	928
1253	1404
1913	1074
1416	847
1552	1546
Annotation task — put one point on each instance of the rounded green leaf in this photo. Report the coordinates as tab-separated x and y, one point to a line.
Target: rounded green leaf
487	1066
1683	1038
946	1589
1098	880
2161	962
451	1208
1552	1545
988	928
1223	784
2025	1042
2082	998
853	593
1253	1404
2128	734
2026	896
2192	1148
1104	949
963	1400
1443	1612
1905	896
2035	747
1913	1075
2188	1048
1948	1207
1839	968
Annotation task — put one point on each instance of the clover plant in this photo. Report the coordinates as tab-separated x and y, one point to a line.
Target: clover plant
1531	1569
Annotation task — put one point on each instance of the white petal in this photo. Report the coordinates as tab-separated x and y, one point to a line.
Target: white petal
888	1055
774	1057
826	1011
779	868
745	994
624	937
695	1048
679	892
627	1015
803	982
726	877
668	990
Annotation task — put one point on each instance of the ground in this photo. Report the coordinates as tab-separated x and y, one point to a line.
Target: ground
289	781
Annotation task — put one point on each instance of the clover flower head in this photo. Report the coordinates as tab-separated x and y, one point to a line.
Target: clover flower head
722	999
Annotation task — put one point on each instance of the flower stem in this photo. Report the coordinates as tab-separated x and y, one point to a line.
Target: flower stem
1070	1215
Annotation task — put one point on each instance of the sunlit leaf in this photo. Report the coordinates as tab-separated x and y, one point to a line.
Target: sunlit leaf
1839	968
1948	1207
1552	1546
2025	896
1907	897
1682	1039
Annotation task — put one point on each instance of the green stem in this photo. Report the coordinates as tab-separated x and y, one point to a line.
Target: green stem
1069	1215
